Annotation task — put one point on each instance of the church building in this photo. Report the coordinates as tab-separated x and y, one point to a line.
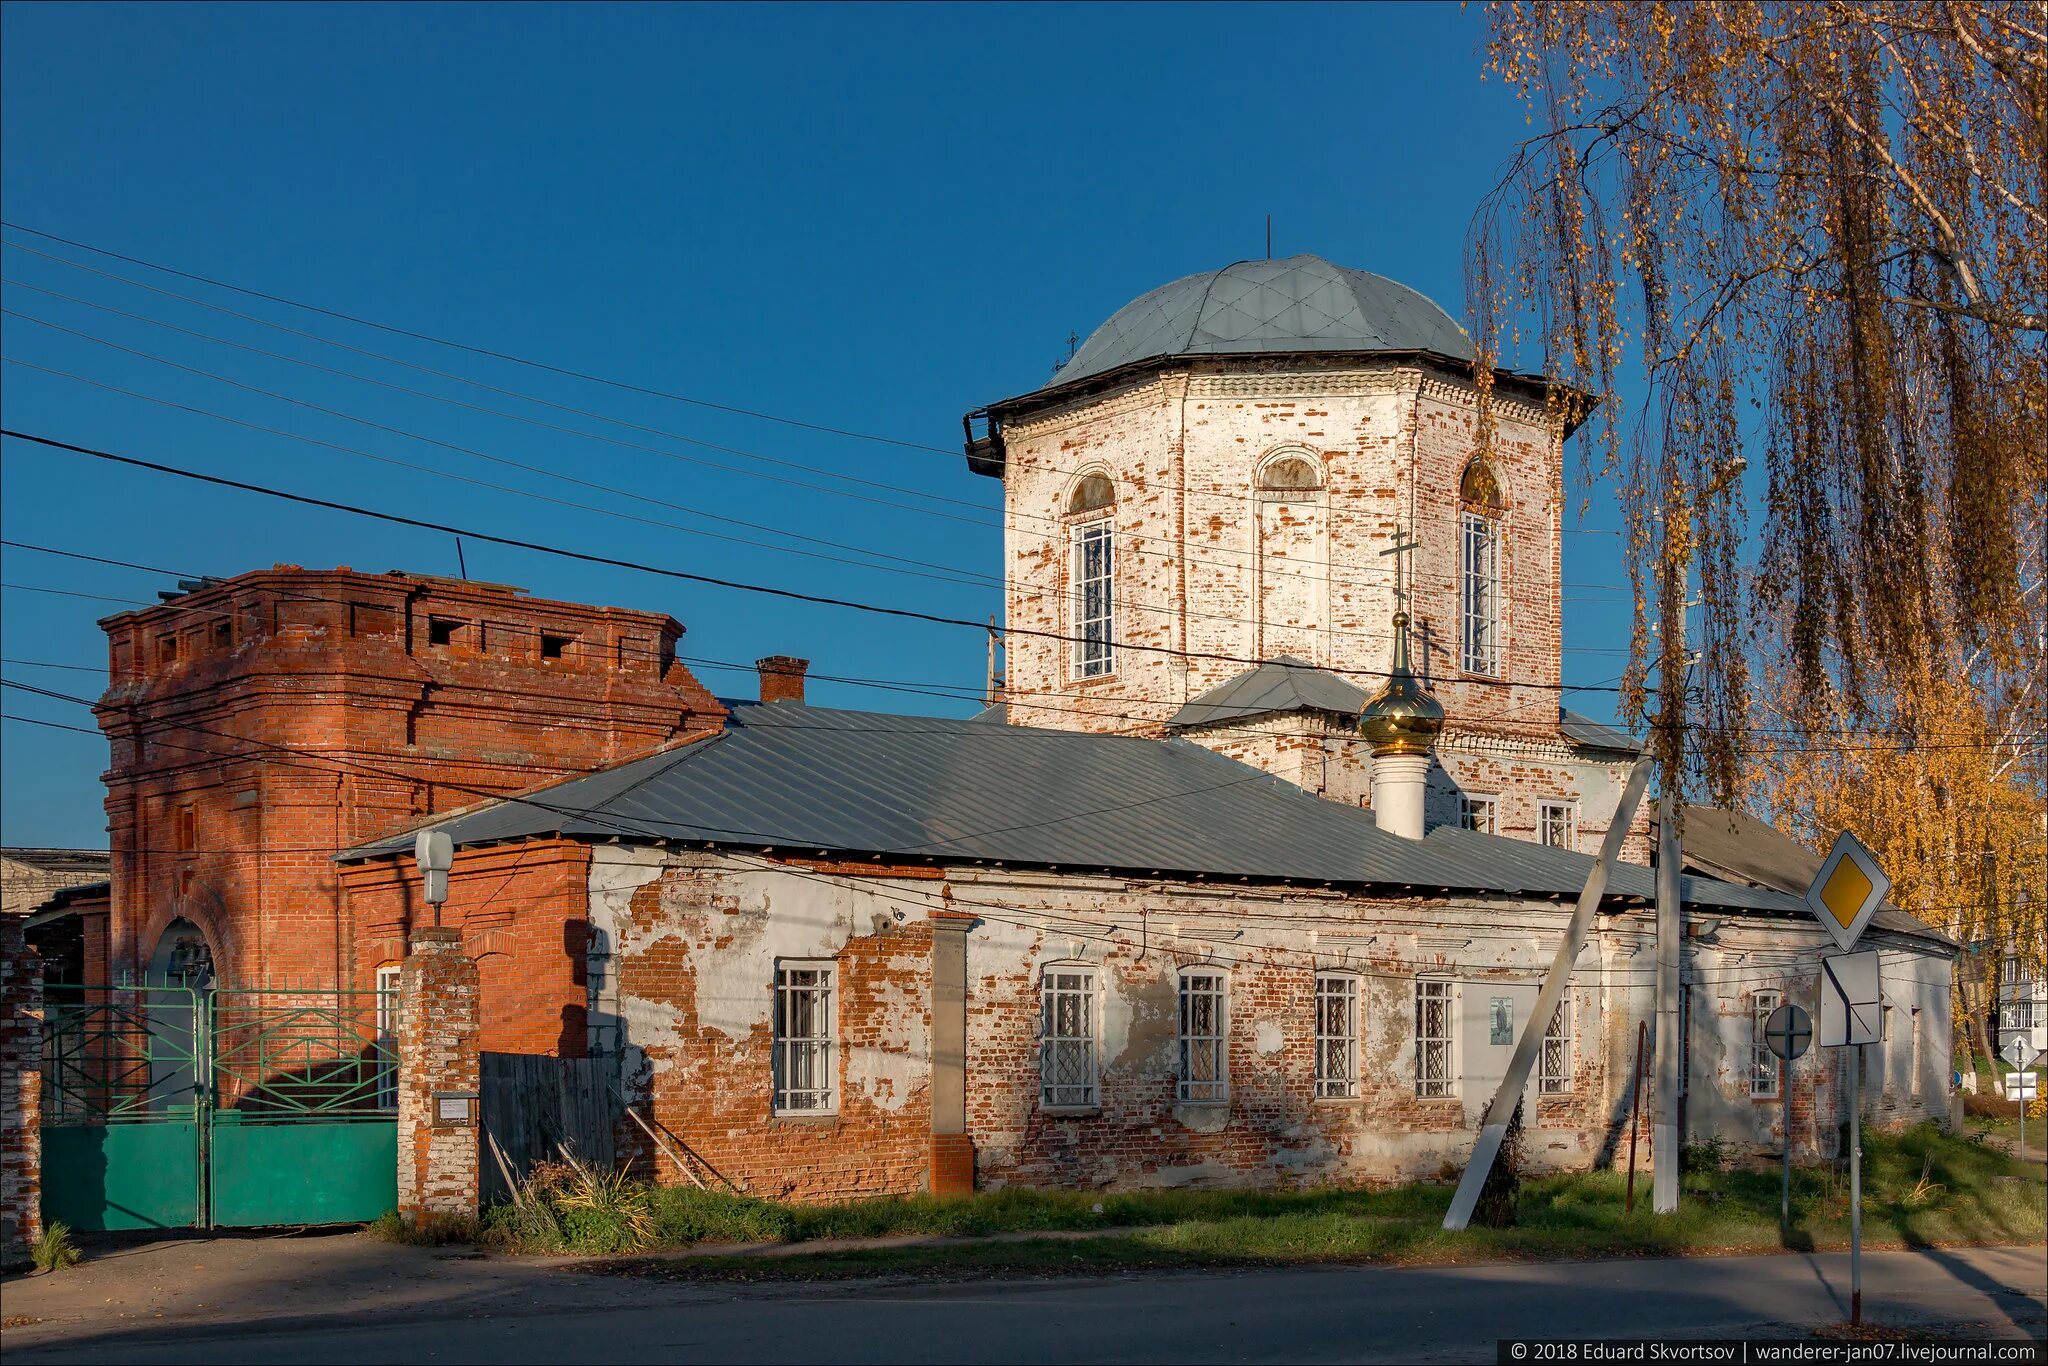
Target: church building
1206	511
1249	875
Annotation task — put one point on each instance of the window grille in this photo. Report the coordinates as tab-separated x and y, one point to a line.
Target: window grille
1763	1063
1557	824
1432	1037
1554	1064
804	1068
1066	1045
1094	599
1479	813
1336	1036
1204	1018
1481	596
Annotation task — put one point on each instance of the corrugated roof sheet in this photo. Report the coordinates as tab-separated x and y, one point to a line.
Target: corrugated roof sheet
1290	684
1298	303
802	779
1285	684
1584	730
1735	845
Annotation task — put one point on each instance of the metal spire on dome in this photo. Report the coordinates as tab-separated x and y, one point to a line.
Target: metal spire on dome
1403	717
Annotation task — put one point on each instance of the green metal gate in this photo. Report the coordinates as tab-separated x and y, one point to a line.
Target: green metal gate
169	1107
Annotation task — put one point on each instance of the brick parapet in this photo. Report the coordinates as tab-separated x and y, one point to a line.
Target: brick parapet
21	1092
261	724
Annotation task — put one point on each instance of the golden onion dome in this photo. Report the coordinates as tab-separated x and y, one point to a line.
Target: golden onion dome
1402	718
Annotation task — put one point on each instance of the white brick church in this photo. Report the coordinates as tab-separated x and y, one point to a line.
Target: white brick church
1251	874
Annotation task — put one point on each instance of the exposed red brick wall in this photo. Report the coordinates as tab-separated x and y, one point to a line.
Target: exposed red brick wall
685	943
345	705
21	1094
438	1172
522	912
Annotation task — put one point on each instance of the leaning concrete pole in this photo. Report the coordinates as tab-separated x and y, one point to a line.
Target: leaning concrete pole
1665	1141
1495	1126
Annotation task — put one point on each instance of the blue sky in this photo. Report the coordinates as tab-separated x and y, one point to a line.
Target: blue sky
866	217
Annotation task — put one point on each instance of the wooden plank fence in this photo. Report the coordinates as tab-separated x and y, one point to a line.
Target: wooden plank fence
529	1103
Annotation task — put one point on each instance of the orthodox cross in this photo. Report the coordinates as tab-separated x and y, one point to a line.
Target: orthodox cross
1399	548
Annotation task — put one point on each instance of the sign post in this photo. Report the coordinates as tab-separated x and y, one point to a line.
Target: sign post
1789	1032
2019	1083
1845	894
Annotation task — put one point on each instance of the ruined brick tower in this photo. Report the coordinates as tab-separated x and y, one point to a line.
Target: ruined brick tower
261	723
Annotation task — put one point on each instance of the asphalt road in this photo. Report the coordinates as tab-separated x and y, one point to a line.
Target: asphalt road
547	1314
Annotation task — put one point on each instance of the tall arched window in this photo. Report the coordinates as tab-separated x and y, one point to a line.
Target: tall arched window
1091	513
1293	556
1483	509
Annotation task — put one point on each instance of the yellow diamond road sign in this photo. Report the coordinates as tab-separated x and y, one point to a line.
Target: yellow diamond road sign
1848	890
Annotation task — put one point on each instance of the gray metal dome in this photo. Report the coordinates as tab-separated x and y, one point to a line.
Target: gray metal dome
1300	303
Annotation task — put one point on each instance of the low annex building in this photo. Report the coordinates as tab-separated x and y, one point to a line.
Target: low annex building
842	953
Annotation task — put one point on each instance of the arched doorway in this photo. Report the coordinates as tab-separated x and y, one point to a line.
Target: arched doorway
180	972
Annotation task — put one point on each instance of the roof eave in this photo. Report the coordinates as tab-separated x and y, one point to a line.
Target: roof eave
990	460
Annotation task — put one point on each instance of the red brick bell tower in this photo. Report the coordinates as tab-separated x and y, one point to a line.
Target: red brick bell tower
260	724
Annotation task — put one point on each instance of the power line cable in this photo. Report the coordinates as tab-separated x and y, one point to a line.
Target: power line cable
711	580
923	568
963	693
486	352
1231	496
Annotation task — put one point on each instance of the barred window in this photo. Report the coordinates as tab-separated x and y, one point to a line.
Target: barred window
1336	1036
1479	813
1554	1065
1763	1063
1067	1073
804	1065
1481	595
1557	824
1432	1037
1094	599
1204	1024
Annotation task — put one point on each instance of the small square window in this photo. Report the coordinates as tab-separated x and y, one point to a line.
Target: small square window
223	634
1557	824
553	646
1479	813
441	632
166	649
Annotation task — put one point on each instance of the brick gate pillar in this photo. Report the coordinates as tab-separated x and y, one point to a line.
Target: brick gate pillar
21	1094
437	1079
952	1170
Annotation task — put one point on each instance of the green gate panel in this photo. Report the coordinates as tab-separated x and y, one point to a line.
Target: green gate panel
123	1176
302	1172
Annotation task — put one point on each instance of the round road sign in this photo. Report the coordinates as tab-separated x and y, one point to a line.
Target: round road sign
1789	1031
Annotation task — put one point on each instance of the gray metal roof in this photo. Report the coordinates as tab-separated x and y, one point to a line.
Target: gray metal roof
1584	730
1739	847
1290	684
800	779
1284	684
1299	303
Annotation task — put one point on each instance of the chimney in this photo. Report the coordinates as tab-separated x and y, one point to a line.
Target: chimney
782	678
